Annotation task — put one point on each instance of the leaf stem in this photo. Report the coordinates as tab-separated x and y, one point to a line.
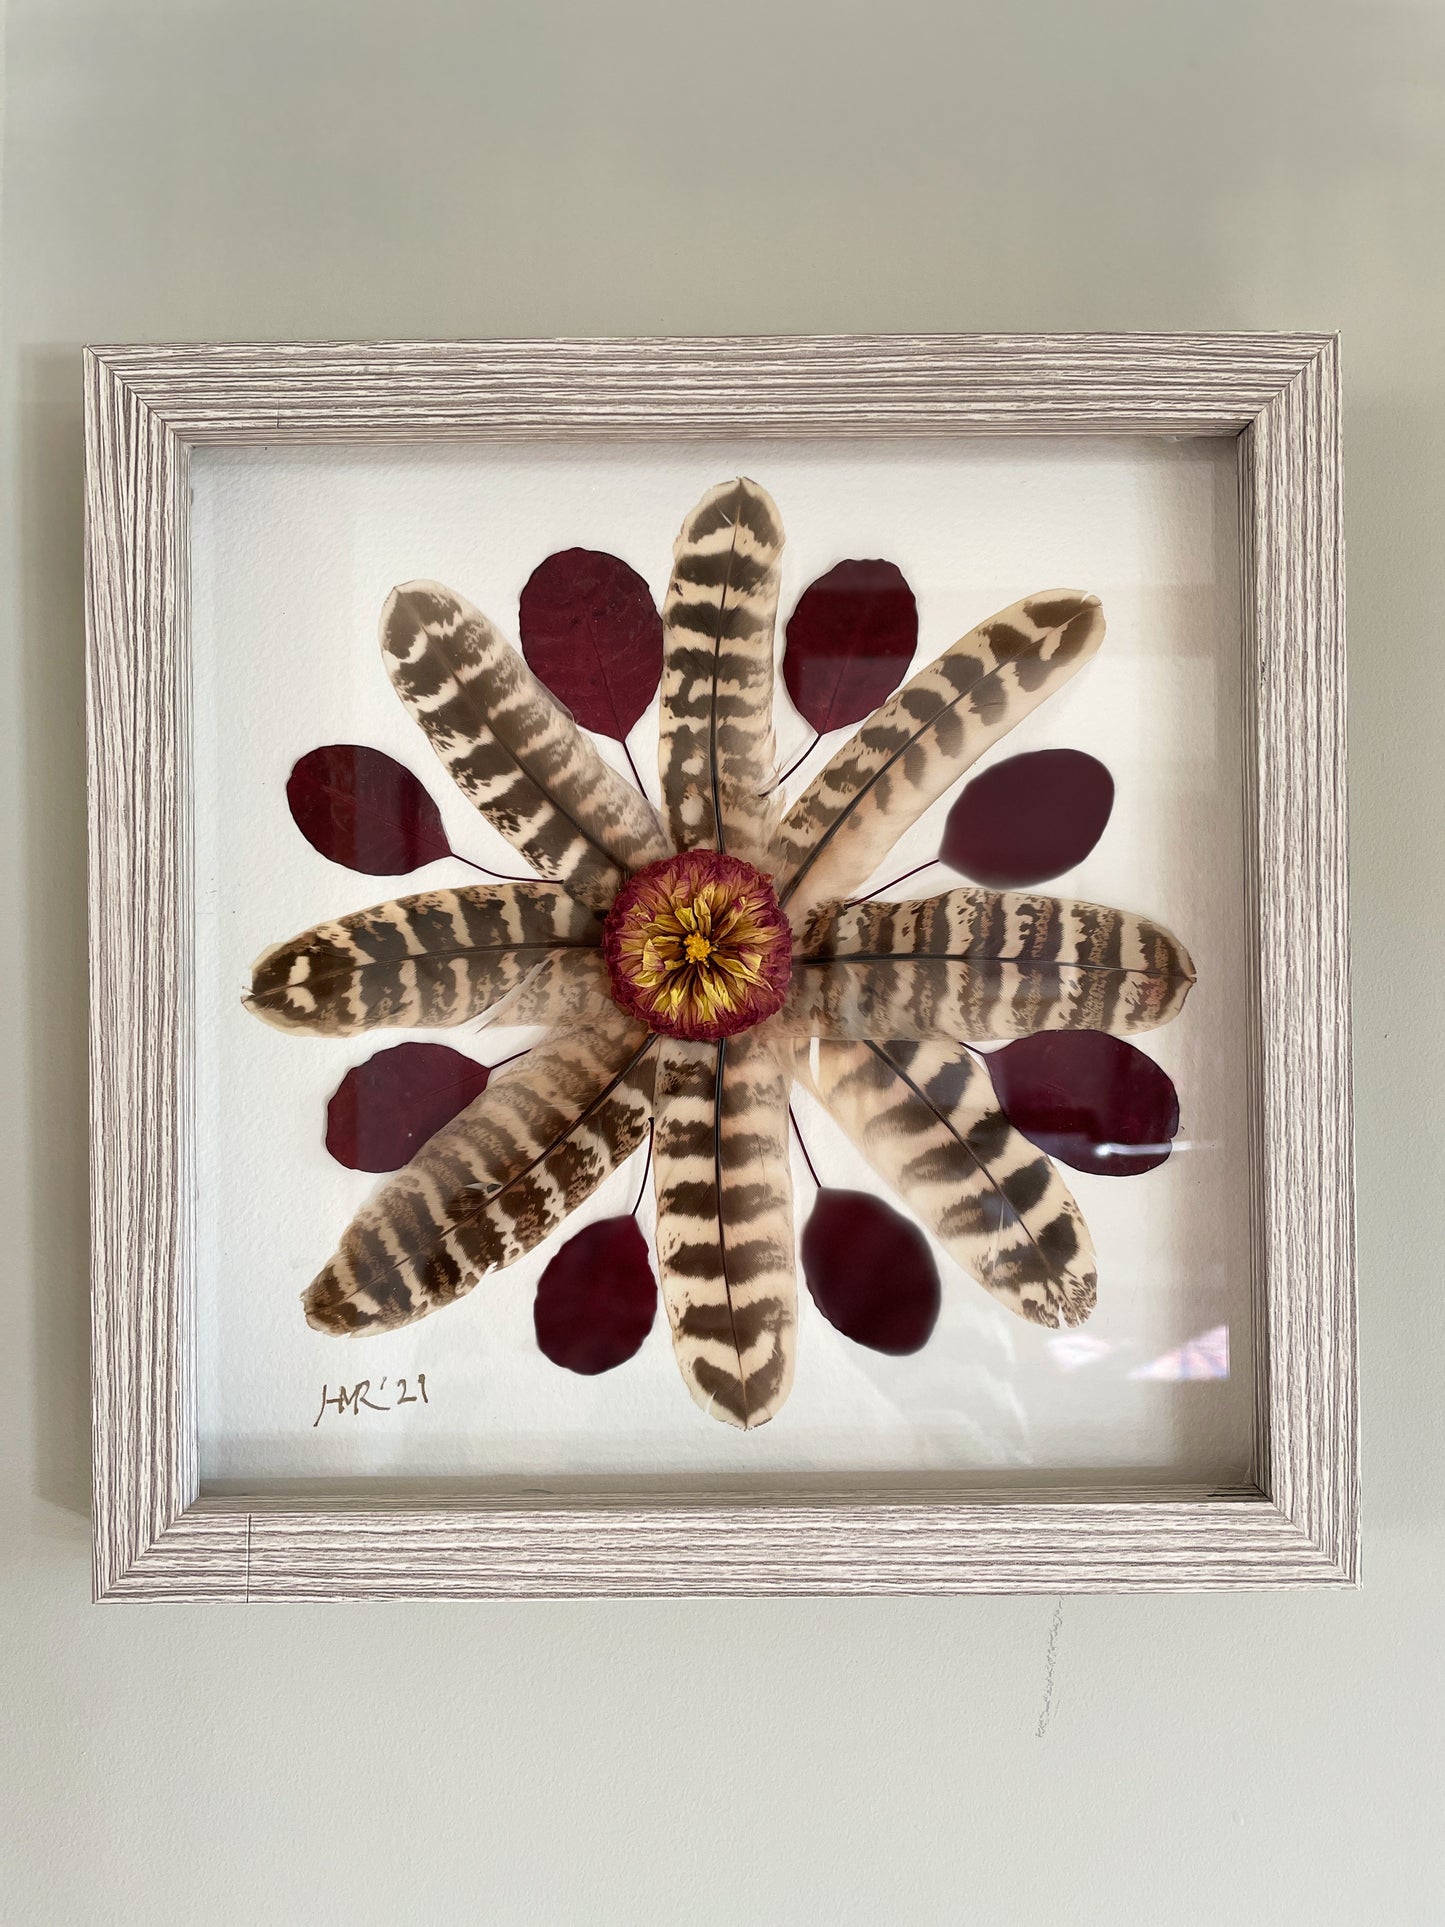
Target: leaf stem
796	763
812	1168
932	862
500	875
646	1169
636	773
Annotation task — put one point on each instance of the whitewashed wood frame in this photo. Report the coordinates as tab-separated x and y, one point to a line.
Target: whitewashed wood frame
157	1535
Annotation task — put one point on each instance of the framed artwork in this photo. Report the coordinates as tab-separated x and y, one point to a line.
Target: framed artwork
719	966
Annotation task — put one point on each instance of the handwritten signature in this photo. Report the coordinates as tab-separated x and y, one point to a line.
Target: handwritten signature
361	1395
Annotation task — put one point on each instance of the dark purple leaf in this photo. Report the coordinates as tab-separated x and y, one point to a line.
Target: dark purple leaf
596	1299
870	1271
849	641
1029	819
591	631
1088	1099
385	1109
360	807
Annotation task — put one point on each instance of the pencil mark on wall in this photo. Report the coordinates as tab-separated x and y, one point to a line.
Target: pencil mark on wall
1051	1660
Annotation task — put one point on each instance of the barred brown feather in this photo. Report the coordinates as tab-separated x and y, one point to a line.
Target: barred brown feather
926	1118
567	989
978	965
716	750
725	1222
493	1183
512	748
438	958
922	739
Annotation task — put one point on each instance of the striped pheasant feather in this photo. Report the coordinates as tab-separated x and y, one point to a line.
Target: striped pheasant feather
716	750
438	958
925	1117
922	739
977	965
725	1222
567	989
512	748
493	1183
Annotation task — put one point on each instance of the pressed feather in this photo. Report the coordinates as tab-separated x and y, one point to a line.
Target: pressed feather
979	965
926	1118
494	1183
716	750
438	958
567	989
725	1222
511	747
884	992
922	740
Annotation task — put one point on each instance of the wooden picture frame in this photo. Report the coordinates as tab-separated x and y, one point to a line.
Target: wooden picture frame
157	1536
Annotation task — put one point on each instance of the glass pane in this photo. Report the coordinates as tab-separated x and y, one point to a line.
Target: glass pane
295	553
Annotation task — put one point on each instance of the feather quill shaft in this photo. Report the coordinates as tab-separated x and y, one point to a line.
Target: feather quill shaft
926	1118
511	747
716	750
438	958
979	966
725	1222
493	1183
922	740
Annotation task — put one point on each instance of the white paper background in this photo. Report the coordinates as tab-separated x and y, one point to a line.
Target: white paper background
293	554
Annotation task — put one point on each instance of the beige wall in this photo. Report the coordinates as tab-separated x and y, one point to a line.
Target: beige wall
186	168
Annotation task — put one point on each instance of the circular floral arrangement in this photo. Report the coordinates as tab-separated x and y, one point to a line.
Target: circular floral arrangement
688	964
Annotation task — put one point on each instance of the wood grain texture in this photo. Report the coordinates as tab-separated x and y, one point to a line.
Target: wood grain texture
1140	1539
142	1101
1292	537
156	1537
733	385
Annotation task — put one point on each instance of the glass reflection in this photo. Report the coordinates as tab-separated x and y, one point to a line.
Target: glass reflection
1204	1357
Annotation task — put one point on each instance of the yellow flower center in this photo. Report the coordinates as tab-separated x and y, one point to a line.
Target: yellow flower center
698	949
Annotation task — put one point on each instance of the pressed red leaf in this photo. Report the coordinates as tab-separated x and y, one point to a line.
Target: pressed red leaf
596	1300
870	1271
1029	818
849	641
384	1110
591	631
360	807
1088	1099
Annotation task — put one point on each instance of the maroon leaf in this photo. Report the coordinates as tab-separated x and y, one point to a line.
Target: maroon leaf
848	642
1088	1099
870	1271
596	1299
591	631
384	1110
1029	818
359	807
